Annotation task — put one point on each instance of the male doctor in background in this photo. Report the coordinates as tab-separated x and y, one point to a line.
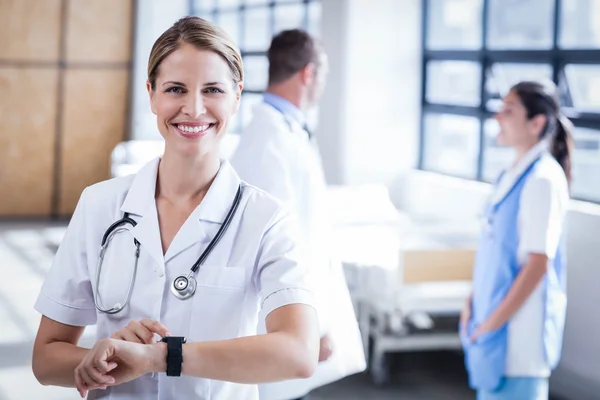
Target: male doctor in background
277	154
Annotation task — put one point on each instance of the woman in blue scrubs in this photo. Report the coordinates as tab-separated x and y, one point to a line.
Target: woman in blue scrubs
512	326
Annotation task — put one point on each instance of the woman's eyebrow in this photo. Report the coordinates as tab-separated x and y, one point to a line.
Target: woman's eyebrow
173	83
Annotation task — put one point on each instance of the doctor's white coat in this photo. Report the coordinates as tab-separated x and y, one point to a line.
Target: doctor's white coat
276	155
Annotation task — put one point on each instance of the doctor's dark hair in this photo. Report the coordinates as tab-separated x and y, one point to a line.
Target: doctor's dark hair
201	34
542	99
289	52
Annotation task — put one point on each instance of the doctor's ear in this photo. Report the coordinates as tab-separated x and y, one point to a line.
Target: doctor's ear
151	93
308	73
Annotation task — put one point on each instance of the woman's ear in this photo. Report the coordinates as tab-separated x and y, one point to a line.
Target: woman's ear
537	124
239	87
151	94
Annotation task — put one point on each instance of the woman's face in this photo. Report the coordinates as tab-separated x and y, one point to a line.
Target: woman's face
194	99
516	130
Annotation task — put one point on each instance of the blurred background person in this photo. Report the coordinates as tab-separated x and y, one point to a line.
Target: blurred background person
277	154
513	324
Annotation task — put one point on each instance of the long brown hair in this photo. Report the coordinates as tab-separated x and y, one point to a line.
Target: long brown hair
542	99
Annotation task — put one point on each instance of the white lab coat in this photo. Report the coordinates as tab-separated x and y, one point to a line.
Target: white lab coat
254	267
276	155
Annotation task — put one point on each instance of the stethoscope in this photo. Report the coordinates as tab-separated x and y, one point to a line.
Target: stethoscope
183	286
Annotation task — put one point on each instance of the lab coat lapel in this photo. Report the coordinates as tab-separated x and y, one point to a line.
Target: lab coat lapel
203	224
190	233
141	205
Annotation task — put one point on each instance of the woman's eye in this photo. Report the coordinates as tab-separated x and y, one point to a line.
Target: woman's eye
213	90
175	89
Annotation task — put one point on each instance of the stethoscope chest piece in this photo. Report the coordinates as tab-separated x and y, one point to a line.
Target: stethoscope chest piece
184	287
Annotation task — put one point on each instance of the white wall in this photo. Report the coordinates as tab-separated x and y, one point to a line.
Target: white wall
152	19
369	116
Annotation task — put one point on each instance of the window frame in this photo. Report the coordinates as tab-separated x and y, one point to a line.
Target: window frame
556	57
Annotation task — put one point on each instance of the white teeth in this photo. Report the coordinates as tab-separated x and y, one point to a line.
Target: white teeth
193	129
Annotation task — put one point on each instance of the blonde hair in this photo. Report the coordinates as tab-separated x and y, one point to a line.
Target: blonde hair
201	34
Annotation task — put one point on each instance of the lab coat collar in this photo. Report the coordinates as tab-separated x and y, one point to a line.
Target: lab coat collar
213	208
510	176
285	107
142	191
220	195
266	112
140	202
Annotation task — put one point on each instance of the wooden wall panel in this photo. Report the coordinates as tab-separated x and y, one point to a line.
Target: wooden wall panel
27	138
30	30
99	30
95	111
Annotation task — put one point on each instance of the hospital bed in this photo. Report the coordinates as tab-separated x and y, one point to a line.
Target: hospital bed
408	278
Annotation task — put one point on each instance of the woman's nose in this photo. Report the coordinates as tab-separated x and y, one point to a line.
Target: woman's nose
194	106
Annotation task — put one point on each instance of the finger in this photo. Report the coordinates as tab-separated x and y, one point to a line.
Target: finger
99	377
136	332
130	336
156	327
89	382
145	335
79	384
123	334
105	366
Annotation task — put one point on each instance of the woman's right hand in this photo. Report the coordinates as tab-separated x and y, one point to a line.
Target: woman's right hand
141	331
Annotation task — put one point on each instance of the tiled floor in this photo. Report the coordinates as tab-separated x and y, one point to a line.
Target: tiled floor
26	251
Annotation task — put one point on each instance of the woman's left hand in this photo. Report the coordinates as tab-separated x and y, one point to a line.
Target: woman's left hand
111	358
486	327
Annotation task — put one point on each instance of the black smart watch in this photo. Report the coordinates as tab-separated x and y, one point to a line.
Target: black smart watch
174	354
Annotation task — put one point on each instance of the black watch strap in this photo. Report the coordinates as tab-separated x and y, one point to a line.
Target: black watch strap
174	354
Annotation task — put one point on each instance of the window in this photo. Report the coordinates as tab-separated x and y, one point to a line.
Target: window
580	28
511	25
252	24
454	24
453	82
586	164
494	156
452	144
501	77
584	86
475	50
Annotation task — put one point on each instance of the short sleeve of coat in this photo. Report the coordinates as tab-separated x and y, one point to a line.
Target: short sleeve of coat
66	295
